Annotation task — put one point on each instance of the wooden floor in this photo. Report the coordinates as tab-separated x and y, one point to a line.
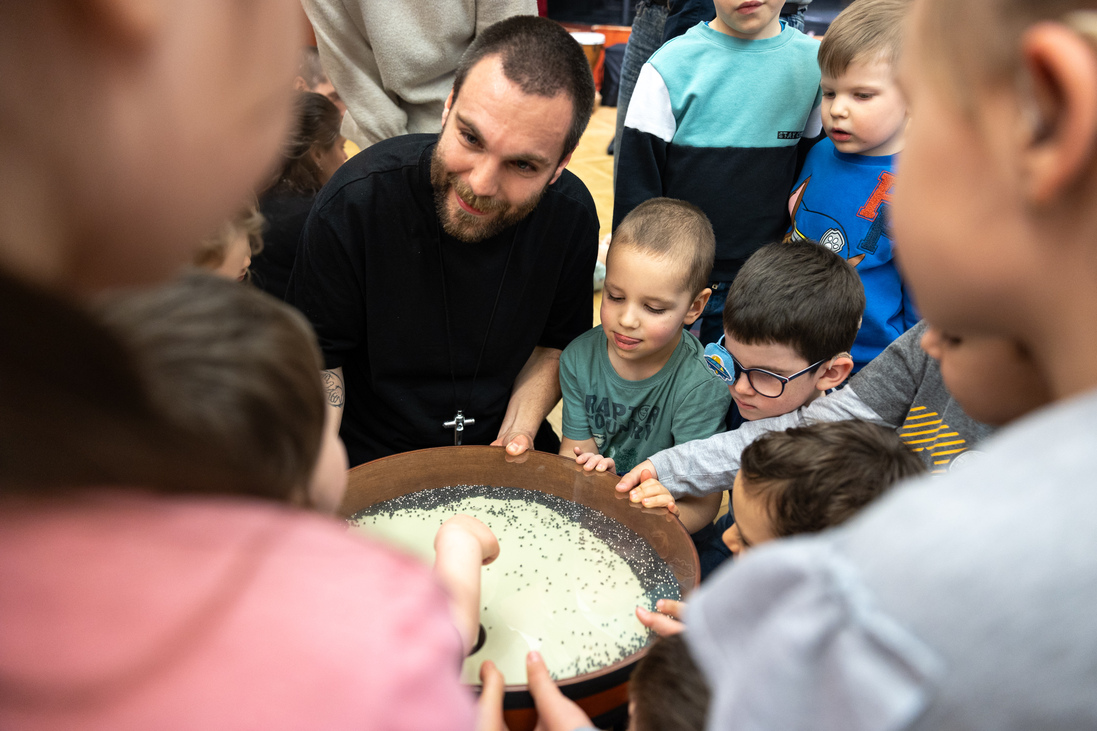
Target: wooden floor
593	166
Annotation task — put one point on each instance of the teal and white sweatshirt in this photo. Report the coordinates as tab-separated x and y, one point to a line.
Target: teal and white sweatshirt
716	121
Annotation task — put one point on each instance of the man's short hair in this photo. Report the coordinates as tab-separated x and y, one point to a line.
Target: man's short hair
233	369
668	691
867	30
309	68
798	294
815	477
542	59
674	230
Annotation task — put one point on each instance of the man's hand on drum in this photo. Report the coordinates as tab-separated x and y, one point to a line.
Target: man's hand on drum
516	442
634	477
555	712
666	621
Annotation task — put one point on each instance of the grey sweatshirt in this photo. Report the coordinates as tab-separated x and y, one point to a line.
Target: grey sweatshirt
393	62
901	388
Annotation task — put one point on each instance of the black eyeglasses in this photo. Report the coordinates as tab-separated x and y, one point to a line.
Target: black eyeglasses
762	381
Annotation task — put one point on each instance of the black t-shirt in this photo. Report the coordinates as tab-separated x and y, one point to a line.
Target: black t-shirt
285	215
368	277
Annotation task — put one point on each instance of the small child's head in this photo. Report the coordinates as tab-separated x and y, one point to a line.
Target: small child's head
312	77
748	19
240	372
993	378
227	252
667	691
864	111
657	274
791	316
807	479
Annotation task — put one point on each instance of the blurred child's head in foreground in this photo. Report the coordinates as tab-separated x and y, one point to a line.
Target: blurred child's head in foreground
240	372
994	379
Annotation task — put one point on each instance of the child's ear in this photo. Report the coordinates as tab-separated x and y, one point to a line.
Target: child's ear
698	306
835	374
1059	118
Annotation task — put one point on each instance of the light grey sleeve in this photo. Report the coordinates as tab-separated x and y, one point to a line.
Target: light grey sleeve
895	379
705	466
790	637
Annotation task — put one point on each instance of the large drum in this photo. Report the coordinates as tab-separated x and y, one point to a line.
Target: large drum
602	690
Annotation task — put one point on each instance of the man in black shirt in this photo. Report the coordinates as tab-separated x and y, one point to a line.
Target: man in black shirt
445	275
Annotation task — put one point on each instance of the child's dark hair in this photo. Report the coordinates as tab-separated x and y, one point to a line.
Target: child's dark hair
867	30
674	230
798	294
542	59
234	369
815	477
667	689
316	126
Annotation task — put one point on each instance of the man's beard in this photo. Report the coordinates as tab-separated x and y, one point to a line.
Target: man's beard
465	226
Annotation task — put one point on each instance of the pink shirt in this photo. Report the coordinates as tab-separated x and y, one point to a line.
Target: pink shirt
124	610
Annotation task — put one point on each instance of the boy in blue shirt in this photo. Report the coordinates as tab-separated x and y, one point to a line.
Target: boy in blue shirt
844	193
638	382
715	119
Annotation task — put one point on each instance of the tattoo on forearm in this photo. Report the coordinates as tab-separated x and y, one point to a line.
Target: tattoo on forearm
333	388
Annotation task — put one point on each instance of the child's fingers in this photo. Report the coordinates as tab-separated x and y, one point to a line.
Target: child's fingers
661	624
490	706
639	473
671	607
652	494
555	711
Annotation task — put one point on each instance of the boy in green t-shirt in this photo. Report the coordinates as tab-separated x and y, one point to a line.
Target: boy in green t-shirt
638	382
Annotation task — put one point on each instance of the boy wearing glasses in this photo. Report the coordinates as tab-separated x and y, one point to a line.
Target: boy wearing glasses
790	318
637	383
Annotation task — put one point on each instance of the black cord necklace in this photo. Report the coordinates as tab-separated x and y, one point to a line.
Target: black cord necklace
459	419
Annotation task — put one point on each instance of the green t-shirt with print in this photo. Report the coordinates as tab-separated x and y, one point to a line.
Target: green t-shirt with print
632	420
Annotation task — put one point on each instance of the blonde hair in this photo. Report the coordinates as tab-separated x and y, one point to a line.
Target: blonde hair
249	221
866	30
966	59
675	230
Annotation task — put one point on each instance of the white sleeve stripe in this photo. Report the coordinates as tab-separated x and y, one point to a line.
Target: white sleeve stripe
649	108
815	123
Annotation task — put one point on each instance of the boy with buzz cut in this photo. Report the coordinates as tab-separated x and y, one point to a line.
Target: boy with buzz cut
638	383
843	196
790	318
715	119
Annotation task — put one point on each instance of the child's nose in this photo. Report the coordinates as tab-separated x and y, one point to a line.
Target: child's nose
742	384
931	343
630	317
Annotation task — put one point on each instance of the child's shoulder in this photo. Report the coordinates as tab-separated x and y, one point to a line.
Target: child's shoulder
688	362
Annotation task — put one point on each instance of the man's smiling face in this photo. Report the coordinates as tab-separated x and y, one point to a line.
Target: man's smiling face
499	150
